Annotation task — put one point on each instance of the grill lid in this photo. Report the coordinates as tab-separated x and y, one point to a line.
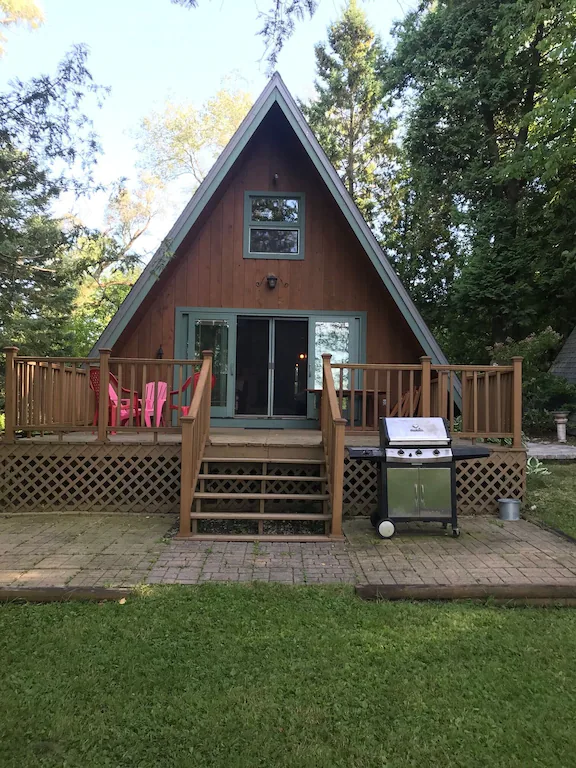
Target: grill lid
414	431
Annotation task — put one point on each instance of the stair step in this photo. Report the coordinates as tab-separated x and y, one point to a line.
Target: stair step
250	460
265	496
255	516
298	478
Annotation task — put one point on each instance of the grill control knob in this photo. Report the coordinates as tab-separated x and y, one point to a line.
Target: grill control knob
418	452
436	452
400	452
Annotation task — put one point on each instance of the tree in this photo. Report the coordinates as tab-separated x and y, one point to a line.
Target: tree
36	289
183	139
107	263
41	123
15	12
350	114
489	94
278	23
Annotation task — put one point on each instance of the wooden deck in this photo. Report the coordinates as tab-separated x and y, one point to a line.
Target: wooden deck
304	438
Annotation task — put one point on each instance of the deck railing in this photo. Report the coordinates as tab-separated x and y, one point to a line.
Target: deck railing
479	401
333	427
195	431
64	394
57	395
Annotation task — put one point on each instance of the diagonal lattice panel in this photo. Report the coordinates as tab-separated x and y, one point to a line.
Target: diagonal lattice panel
123	478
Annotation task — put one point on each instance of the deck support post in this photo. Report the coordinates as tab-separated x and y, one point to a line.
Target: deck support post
426	384
338	477
517	402
10	407
186	474
103	399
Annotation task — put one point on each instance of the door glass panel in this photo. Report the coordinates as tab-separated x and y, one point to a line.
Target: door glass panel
290	367
252	355
331	337
213	334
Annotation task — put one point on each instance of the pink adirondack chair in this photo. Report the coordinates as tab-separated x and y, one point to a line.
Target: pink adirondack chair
119	412
153	412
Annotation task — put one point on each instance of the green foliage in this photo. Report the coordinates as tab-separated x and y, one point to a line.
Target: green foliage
543	392
349	114
489	95
184	140
550	497
286	677
536	467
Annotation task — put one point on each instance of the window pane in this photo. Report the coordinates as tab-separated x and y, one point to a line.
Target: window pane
214	335
275	209
273	240
331	338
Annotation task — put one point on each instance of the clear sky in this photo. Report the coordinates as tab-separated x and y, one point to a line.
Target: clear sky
150	50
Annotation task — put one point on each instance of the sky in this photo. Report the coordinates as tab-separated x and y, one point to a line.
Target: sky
147	51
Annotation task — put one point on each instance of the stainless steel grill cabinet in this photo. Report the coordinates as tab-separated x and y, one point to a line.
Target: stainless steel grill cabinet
417	474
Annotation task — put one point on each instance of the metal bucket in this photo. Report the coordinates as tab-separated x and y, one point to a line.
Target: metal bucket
509	509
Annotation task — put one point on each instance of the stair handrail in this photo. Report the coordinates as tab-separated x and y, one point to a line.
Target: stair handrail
333	429
195	431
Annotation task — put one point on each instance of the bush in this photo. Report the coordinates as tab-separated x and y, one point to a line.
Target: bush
543	392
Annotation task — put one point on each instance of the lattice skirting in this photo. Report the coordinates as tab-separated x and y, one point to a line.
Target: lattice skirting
37	477
89	478
480	483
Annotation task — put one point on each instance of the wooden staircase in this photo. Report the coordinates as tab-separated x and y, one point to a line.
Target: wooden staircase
261	493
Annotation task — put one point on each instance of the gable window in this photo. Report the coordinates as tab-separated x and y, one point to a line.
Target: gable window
273	226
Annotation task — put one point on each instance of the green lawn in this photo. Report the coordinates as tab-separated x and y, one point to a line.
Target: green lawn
552	498
279	676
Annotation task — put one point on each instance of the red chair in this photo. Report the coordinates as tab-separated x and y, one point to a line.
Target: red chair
127	405
185	408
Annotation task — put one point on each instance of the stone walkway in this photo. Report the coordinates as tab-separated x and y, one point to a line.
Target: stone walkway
124	550
551	451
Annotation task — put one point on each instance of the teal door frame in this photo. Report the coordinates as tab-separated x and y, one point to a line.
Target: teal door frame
184	347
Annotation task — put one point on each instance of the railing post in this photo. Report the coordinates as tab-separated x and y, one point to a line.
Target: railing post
103	400
338	477
186	474
426	363
10	406
517	402
208	356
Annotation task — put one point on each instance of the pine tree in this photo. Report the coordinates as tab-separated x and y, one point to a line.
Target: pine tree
350	113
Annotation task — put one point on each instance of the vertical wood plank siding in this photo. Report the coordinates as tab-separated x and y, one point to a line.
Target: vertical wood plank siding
208	269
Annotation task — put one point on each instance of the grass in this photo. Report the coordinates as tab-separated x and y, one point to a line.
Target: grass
552	498
284	677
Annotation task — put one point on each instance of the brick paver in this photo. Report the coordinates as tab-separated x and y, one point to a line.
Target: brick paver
125	550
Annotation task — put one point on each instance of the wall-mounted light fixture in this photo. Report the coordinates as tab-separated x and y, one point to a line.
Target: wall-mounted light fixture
160	353
275	179
271	281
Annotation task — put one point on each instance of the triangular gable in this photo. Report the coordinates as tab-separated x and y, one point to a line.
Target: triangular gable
274	93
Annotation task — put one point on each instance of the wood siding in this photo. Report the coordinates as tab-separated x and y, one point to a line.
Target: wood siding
209	270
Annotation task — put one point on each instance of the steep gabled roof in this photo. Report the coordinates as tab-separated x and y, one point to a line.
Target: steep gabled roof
274	93
565	363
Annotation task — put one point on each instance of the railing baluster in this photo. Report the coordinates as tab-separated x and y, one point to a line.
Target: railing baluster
411	388
388	392
376	398
487	401
352	399
498	401
475	399
451	399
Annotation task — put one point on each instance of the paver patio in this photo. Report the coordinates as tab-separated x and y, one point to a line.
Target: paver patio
124	550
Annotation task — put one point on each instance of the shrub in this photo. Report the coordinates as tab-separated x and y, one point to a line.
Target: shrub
543	391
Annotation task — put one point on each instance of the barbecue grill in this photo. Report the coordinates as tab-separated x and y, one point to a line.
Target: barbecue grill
417	472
